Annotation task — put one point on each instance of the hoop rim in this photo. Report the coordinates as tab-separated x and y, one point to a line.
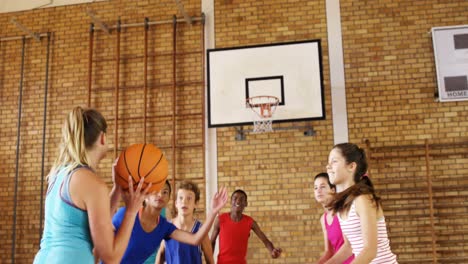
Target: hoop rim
275	101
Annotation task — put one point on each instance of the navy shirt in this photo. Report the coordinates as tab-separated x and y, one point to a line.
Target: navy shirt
180	253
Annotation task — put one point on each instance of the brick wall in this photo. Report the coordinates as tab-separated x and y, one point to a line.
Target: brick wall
390	82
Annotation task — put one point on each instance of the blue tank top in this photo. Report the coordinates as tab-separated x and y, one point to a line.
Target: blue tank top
181	253
66	237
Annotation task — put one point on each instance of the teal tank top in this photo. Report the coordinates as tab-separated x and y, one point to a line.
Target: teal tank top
66	237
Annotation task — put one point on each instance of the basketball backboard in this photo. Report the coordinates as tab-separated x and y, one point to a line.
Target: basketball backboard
289	71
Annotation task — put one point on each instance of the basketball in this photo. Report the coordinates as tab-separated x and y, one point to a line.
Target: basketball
142	160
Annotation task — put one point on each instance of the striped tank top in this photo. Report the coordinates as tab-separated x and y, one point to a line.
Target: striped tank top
351	228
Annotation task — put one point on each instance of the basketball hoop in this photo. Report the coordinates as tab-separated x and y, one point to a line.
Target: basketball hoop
264	107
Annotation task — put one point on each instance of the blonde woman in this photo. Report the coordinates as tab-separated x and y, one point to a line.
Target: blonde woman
77	205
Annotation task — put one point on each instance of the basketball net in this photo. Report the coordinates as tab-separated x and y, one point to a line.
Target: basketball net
264	107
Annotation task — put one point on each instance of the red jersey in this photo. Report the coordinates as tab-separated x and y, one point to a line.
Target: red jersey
233	239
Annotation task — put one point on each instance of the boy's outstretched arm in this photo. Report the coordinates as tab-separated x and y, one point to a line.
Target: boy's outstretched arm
218	201
274	252
215	233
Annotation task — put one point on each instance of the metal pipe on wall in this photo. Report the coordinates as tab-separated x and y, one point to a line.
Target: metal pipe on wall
18	140
21	37
203	94
161	22
44	123
90	61
431	204
117	80
145	80
174	101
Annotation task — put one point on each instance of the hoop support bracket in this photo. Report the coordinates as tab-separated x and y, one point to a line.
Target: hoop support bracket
241	133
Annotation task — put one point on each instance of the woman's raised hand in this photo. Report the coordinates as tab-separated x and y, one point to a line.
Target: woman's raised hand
134	198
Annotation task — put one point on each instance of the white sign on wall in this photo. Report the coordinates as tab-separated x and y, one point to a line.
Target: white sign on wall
451	60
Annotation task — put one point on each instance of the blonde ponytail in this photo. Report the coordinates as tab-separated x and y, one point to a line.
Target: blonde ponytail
80	130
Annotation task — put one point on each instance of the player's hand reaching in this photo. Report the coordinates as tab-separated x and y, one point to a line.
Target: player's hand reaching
219	200
134	198
276	252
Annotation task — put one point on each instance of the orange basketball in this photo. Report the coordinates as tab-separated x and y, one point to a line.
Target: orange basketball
142	160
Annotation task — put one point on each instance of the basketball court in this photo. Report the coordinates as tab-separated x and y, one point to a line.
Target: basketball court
249	95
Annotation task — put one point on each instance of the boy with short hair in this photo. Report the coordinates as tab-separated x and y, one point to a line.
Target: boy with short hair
234	228
172	251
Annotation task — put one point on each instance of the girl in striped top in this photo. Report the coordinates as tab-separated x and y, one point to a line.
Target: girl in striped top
358	207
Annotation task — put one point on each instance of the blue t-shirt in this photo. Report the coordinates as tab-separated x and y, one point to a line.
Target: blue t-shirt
142	244
180	253
152	259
